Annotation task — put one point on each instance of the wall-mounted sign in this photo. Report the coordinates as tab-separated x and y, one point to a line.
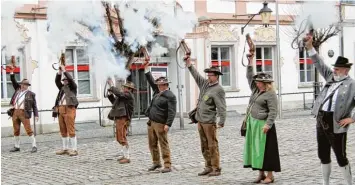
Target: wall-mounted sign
159	72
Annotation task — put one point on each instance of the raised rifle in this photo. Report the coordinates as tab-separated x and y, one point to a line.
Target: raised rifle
251	45
56	66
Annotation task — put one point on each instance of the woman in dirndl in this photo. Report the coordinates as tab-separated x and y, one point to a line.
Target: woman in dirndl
261	149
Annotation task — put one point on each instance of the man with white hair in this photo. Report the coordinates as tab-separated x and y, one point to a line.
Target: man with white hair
333	108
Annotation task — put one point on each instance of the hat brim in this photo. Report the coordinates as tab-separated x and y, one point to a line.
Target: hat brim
162	83
263	80
347	65
25	84
209	71
129	87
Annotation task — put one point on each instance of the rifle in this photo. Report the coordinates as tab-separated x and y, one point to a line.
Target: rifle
251	48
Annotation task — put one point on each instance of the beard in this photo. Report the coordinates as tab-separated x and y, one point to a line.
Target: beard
339	77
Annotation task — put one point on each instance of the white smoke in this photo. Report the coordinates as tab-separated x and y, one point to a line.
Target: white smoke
320	13
139	31
10	34
158	50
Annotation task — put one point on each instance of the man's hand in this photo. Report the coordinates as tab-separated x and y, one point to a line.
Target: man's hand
345	122
266	128
11	68
166	128
187	60
220	125
250	59
110	82
36	118
308	41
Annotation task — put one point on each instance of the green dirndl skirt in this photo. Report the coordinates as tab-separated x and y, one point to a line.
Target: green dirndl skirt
260	149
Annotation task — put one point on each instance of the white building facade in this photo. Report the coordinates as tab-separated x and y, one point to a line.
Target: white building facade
216	41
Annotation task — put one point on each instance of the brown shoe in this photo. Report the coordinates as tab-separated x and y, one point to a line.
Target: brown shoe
259	179
62	152
73	153
166	170
206	171
154	167
267	180
215	173
124	161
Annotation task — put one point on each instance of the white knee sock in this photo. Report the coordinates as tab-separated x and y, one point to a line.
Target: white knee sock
326	169
17	141
126	153
65	141
33	141
347	174
73	143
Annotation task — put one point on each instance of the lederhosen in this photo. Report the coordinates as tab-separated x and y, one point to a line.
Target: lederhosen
326	138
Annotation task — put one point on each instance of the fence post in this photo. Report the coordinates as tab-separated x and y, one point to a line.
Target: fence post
304	101
34	126
100	116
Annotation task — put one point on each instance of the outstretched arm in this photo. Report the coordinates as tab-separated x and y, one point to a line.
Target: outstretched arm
200	80
14	82
150	80
318	62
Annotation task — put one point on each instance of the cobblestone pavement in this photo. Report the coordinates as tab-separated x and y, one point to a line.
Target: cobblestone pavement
96	164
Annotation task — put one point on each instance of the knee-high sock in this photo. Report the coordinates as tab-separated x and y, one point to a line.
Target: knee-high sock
126	151
17	141
326	169
33	139
65	141
73	142
347	174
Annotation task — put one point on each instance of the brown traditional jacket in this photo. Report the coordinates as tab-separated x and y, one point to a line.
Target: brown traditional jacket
30	103
70	90
122	104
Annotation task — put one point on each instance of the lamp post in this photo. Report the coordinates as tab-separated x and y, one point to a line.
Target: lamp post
265	14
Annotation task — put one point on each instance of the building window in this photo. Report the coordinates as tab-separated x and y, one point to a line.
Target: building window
78	65
305	67
221	56
264	59
7	89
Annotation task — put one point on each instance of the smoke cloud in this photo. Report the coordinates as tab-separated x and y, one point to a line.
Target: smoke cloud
11	38
320	13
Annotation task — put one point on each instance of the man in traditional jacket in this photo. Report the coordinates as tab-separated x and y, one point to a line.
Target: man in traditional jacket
66	104
161	113
121	113
333	108
211	99
23	102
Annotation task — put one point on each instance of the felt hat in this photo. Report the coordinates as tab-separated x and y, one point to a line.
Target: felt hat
25	82
263	77
342	62
129	85
162	80
213	69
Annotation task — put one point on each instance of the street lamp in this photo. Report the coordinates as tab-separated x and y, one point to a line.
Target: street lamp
265	14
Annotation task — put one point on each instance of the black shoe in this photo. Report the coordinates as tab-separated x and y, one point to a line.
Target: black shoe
206	171
154	167
165	170
15	149
34	149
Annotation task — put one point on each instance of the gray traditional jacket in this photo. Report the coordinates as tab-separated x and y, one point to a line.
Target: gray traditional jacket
265	105
345	100
212	98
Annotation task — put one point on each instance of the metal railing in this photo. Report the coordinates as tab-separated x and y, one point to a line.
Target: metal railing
283	94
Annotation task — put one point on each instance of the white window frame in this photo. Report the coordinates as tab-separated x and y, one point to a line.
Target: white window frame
5	82
305	69
263	59
75	64
220	60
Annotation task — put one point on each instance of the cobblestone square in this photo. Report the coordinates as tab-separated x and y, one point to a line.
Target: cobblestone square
96	163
